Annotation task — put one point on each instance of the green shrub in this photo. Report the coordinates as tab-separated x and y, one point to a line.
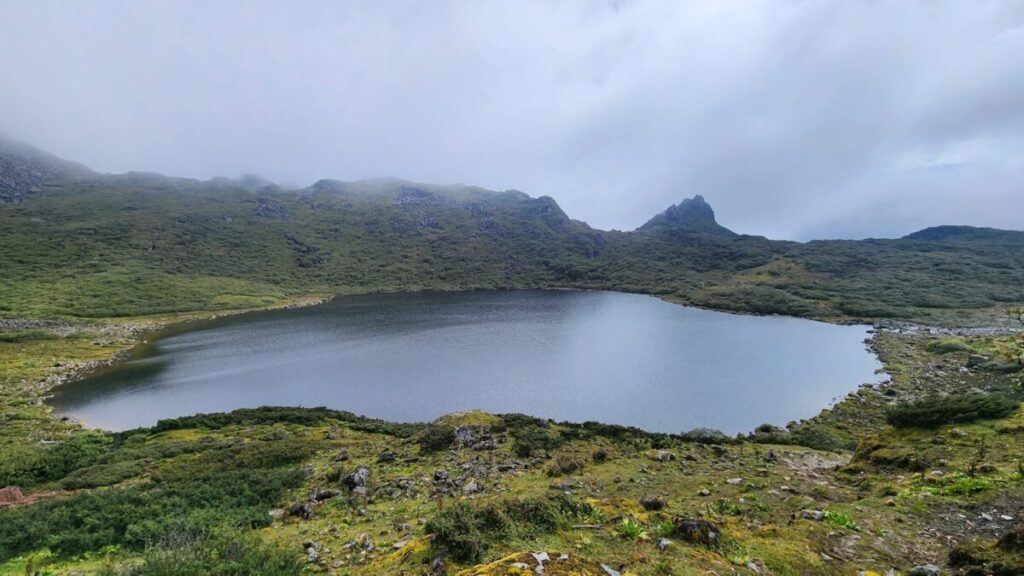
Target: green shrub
436	437
821	438
707	436
102	475
840	519
466	530
26	336
531	434
564	464
632	530
192	495
932	412
947	346
233	554
53	462
284	414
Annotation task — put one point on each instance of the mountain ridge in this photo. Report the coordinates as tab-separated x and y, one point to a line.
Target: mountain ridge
24	167
78	243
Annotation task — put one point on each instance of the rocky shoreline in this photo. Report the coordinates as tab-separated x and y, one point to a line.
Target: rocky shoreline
131	335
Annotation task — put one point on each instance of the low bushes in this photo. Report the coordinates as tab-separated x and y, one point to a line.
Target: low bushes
193	493
707	436
436	437
465	531
290	415
49	463
233	554
932	412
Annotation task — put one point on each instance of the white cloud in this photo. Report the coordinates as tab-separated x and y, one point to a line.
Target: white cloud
794	119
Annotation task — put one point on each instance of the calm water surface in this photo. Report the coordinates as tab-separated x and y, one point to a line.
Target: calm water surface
604	356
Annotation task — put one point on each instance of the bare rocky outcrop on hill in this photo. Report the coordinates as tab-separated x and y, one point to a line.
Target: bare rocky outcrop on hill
25	169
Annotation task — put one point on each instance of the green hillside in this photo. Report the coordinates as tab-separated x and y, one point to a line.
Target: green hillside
76	243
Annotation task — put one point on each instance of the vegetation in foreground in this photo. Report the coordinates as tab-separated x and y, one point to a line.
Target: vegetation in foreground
286	491
925	468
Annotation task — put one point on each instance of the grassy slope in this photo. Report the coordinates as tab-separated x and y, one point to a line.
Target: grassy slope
144	244
136	245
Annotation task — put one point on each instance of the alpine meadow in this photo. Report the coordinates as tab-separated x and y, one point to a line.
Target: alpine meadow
243	376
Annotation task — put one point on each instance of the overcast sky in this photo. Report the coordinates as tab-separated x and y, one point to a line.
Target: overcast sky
799	120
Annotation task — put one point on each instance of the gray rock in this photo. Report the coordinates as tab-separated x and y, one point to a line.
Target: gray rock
664	456
925	570
663	544
815	515
357	478
973	361
696	531
652	503
609	571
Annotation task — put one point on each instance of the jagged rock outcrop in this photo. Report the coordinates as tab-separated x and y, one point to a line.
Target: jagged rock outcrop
693	215
24	168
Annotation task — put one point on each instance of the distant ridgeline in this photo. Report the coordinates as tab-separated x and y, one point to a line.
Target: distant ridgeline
78	243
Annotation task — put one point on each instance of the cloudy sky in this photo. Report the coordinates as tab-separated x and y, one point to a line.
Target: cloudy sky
794	119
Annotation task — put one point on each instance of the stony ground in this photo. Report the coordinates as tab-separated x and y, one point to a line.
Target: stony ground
478	494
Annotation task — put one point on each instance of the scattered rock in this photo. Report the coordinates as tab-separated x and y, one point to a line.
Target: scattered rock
357	480
317	495
975	360
925	570
312	552
663	544
696	531
815	515
302	510
387	456
664	456
652	503
610	571
564	485
1012	541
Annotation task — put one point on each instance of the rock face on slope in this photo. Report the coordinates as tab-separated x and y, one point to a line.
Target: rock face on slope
24	168
692	215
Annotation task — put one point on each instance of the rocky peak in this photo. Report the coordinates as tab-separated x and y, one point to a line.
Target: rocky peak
24	168
693	215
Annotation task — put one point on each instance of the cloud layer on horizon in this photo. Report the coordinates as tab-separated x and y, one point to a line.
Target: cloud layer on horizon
794	119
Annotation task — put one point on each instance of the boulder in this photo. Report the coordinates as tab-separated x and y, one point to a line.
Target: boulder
1012	541
975	360
11	495
664	456
696	531
652	503
815	515
356	480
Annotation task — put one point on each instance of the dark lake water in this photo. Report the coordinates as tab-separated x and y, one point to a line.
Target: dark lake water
610	357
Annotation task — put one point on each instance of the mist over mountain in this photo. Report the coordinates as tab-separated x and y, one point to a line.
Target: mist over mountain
170	243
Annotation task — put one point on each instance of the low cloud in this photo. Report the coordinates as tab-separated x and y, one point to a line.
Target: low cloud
794	119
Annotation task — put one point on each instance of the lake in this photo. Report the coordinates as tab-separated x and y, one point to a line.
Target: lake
604	356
